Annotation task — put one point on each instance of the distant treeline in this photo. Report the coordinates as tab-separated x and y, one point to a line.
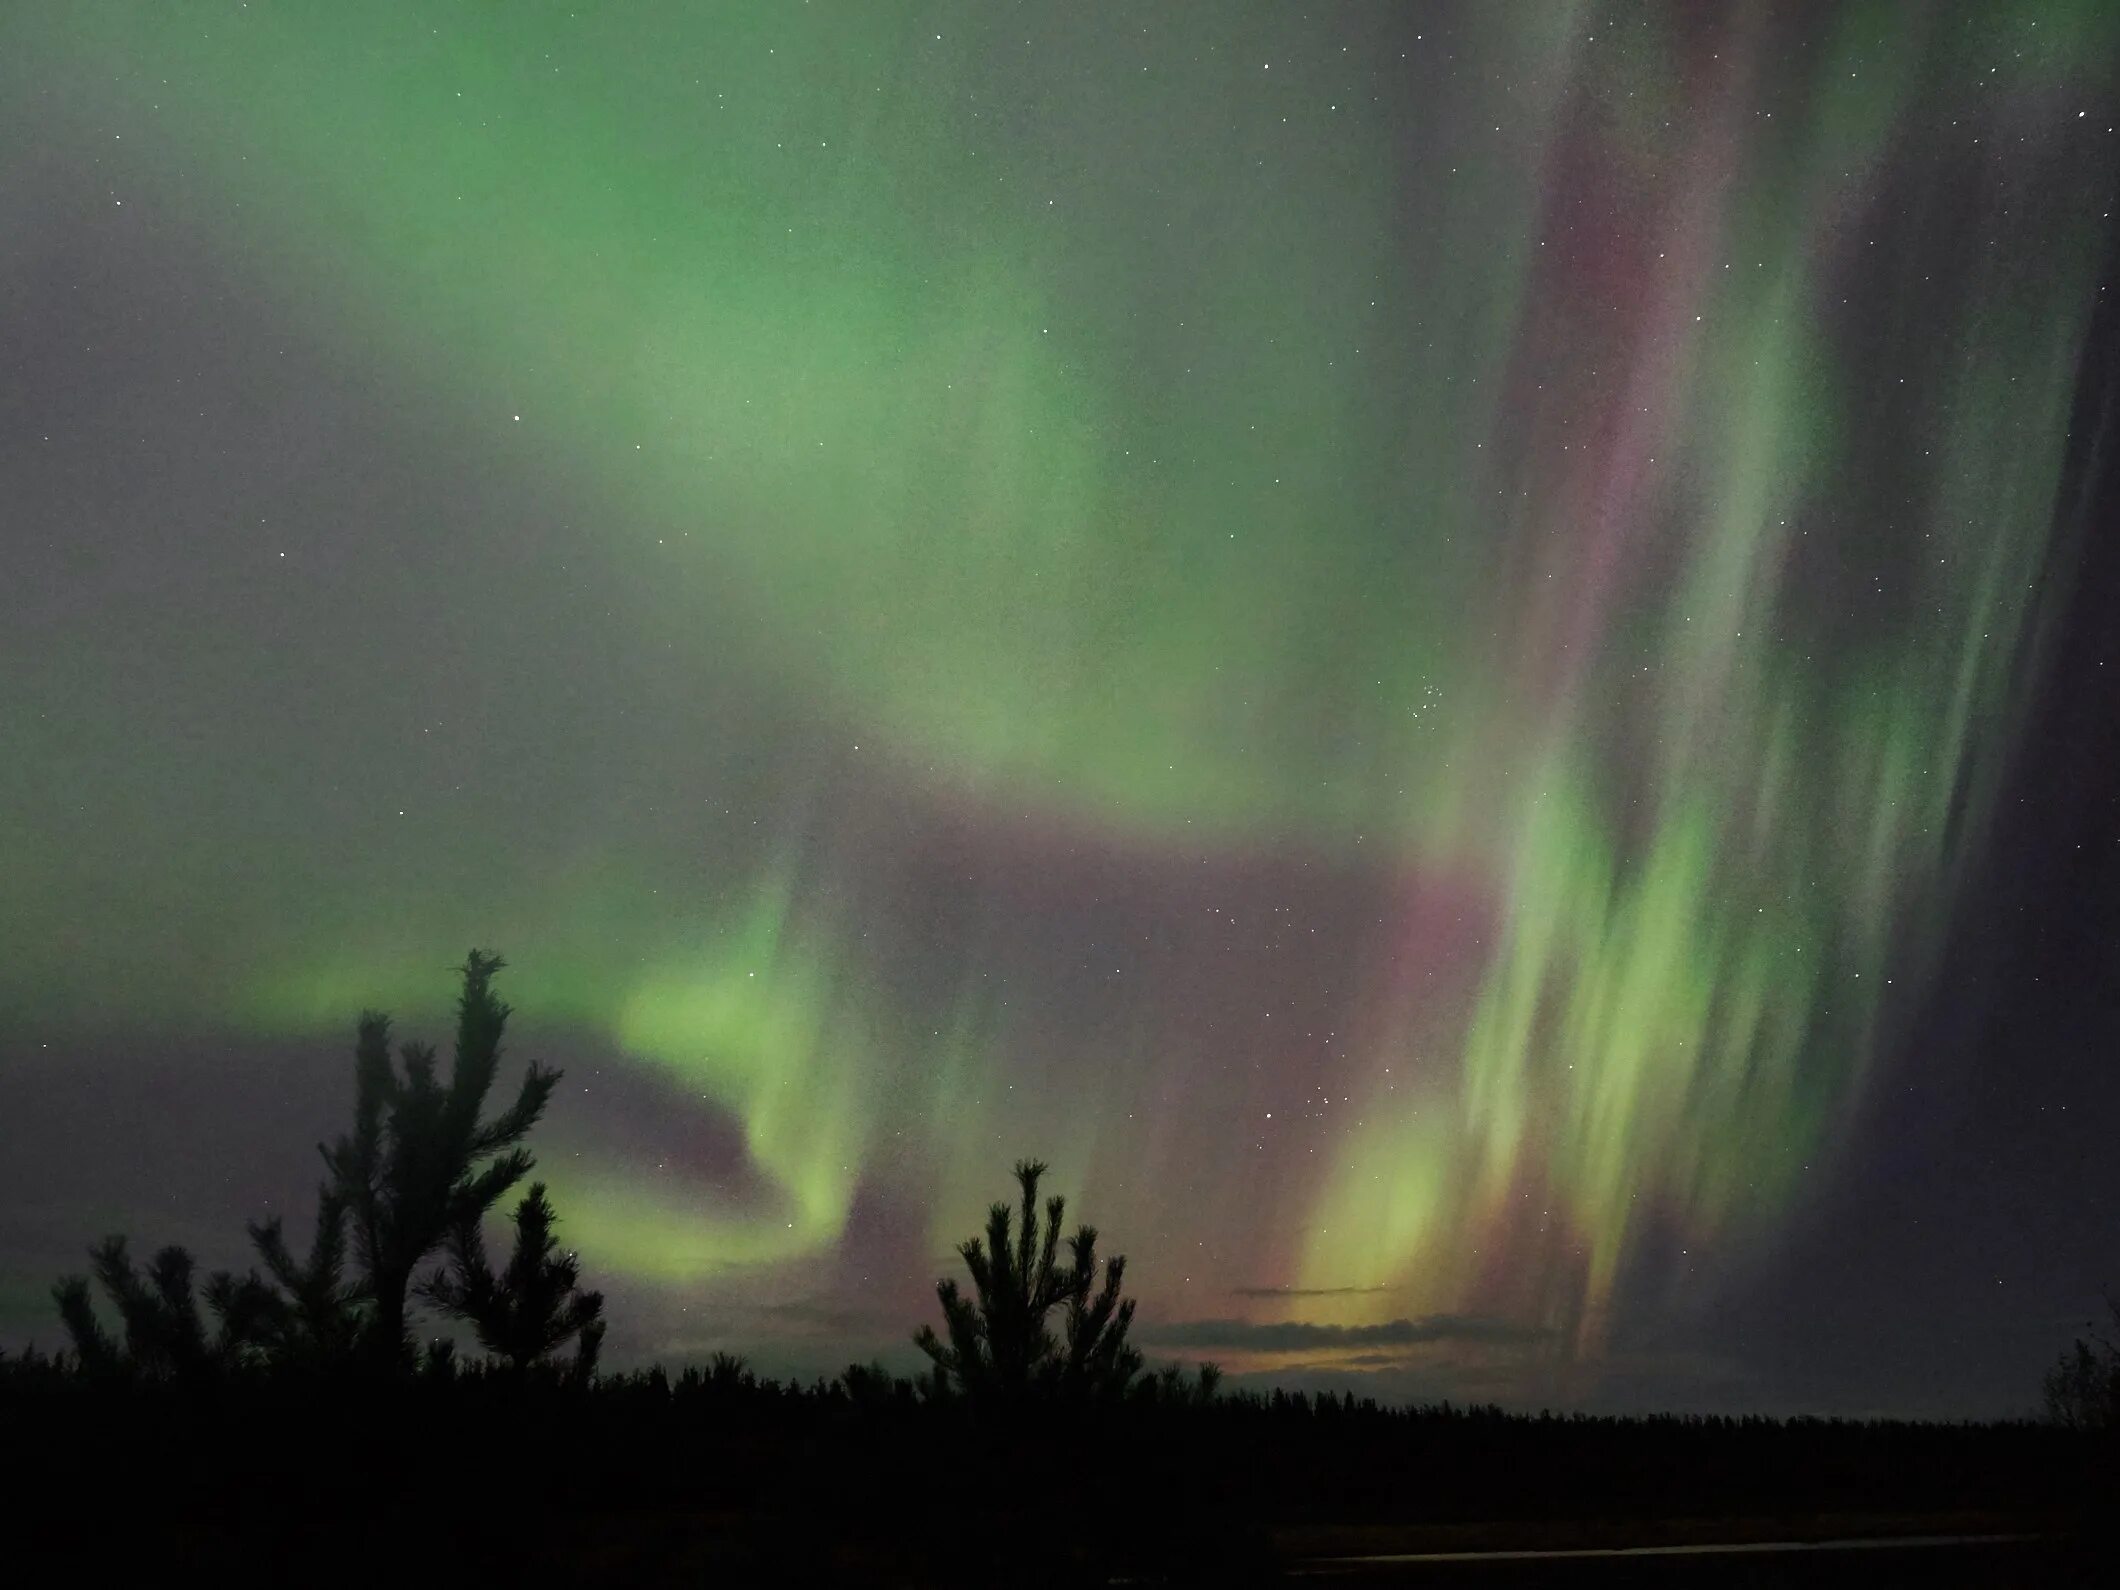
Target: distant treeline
653	1474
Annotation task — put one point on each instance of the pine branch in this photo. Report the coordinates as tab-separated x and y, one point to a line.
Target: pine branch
514	1123
94	1349
1027	1173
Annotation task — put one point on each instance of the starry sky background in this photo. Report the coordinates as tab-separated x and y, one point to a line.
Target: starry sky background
1457	654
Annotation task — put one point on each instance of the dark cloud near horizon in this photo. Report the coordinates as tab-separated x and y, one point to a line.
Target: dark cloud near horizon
1306	1291
1294	1336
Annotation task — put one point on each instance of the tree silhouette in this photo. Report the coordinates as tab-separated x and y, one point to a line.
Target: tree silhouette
164	1335
2082	1389
1000	1350
1168	1387
314	1319
530	1309
870	1387
1098	1363
419	1163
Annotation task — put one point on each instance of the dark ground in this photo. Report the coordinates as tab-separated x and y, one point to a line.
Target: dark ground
655	1484
1996	1563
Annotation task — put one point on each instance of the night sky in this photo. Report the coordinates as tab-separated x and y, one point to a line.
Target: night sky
1459	655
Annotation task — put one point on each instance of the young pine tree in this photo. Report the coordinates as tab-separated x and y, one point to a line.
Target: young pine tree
530	1309
164	1337
315	1318
419	1164
1000	1350
2082	1389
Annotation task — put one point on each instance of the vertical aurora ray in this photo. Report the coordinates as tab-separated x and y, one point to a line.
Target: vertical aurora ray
1381	645
1695	945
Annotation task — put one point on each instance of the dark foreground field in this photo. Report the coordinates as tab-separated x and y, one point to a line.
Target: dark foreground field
648	1482
1941	1561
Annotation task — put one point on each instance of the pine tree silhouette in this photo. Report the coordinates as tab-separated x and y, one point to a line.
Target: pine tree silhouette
419	1163
1000	1351
164	1335
532	1308
315	1315
2082	1388
1098	1362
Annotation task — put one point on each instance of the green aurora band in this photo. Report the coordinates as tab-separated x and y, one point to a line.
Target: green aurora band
1604	529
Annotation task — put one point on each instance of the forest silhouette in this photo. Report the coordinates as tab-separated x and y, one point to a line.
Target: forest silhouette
248	1418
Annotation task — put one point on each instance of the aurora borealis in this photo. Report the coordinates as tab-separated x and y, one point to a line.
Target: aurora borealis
1389	633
